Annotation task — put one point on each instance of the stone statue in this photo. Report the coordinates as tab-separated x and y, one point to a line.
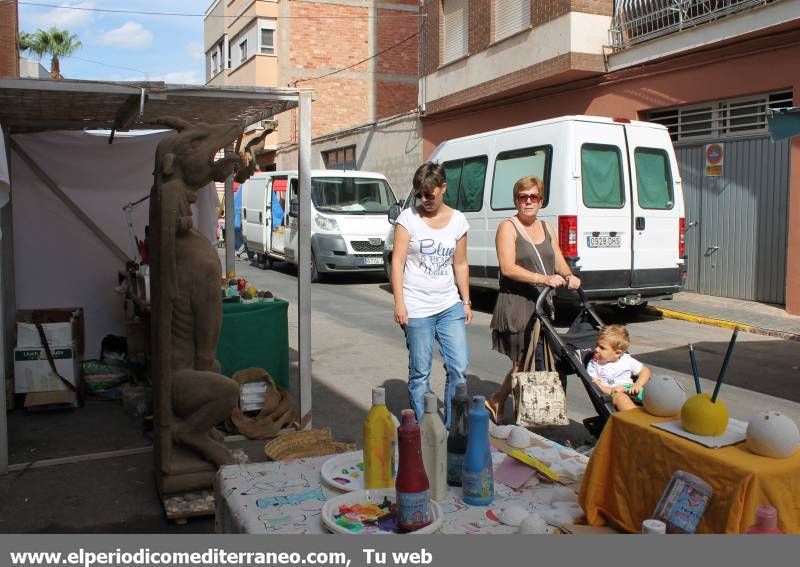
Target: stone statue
190	396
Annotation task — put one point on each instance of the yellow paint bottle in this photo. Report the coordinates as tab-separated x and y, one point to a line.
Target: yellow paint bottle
380	440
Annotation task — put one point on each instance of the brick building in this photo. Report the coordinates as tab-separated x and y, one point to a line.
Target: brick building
709	71
293	42
9	31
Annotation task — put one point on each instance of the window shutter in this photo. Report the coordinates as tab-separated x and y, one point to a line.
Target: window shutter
456	30
510	17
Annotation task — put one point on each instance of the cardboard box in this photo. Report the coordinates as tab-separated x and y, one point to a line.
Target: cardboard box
138	335
62	327
32	372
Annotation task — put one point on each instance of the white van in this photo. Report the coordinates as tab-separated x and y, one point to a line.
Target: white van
348	225
613	196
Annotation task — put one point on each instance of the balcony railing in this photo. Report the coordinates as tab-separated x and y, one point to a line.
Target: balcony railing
636	21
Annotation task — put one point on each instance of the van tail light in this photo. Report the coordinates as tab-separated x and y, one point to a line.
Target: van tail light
622	120
568	236
682	238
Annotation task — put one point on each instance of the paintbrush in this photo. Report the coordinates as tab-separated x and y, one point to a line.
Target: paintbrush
695	372
725	362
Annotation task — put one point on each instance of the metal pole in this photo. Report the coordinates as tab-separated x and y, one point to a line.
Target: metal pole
304	255
230	230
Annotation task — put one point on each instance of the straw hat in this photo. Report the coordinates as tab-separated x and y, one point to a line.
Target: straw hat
305	443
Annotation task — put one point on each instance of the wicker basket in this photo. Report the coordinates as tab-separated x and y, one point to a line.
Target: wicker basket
306	443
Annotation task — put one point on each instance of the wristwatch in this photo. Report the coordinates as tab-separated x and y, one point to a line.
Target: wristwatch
467	302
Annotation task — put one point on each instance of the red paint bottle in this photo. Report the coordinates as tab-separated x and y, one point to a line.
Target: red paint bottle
413	495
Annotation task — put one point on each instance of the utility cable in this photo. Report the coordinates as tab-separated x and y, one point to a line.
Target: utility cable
399	43
190	15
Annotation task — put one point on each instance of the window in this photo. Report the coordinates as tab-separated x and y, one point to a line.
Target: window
653	178
340	158
511	166
601	176
465	182
242	51
725	118
510	17
456	29
214	63
351	195
267	41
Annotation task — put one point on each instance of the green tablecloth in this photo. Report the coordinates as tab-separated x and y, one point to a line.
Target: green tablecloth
255	335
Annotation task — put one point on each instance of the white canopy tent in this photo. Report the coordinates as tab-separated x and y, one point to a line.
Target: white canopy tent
66	236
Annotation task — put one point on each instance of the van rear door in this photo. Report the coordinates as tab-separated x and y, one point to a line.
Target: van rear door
603	205
657	207
254	192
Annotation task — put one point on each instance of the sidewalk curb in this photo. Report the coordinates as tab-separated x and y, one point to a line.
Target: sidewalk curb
725	324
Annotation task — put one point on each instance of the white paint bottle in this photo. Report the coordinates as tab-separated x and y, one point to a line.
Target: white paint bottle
434	448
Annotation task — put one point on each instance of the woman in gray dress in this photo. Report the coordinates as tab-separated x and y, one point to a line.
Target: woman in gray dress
529	259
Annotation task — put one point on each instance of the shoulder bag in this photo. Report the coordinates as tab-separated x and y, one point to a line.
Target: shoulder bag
538	396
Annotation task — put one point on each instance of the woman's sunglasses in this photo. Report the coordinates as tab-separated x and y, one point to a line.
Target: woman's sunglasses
534	198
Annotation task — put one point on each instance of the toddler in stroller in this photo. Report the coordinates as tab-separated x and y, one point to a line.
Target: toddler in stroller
612	369
575	350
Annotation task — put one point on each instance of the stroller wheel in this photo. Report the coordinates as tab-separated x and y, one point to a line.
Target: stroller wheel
594	425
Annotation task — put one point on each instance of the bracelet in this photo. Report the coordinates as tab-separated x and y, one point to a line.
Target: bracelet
466	302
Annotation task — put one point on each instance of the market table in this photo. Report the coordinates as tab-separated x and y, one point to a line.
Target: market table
633	462
255	335
286	497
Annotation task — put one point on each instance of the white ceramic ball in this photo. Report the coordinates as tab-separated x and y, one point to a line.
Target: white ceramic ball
772	434
663	396
532	525
519	437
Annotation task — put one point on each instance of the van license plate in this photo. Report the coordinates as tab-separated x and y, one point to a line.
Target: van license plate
605	241
373	260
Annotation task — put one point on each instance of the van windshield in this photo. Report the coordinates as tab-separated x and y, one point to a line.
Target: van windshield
351	195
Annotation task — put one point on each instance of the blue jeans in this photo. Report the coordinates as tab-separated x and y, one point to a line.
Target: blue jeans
448	328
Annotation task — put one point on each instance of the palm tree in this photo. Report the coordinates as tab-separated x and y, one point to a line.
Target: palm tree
57	43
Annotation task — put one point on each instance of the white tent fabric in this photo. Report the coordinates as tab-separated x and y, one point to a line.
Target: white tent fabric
58	260
4	179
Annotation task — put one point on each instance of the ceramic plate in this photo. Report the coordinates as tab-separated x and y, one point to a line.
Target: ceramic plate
369	512
344	471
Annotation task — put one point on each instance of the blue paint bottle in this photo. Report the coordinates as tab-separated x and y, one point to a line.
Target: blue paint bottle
477	479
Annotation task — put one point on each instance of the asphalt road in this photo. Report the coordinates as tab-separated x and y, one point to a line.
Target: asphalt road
356	345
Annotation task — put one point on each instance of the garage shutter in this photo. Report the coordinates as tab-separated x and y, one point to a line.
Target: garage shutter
456	30
510	17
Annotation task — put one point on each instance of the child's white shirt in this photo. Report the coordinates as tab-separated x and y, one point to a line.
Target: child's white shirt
617	373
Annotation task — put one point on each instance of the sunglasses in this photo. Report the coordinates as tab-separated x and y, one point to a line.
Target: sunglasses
426	196
534	198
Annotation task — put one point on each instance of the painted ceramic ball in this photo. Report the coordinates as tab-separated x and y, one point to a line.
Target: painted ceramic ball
772	434
663	396
701	416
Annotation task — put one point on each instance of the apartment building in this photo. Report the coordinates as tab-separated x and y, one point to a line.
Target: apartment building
359	56
710	70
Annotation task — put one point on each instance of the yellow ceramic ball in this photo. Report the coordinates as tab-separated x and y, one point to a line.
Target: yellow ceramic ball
701	416
252	291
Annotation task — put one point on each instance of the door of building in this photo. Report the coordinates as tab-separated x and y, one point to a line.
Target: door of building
736	223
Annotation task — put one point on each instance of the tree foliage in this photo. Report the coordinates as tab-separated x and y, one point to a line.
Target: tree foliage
54	42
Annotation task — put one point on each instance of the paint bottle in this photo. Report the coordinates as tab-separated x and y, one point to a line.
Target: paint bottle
413	494
477	478
766	521
434	448
380	440
457	438
653	527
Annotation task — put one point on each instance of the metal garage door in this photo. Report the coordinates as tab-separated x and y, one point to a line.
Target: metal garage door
736	223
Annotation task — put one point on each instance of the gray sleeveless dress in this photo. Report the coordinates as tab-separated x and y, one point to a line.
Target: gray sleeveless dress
512	320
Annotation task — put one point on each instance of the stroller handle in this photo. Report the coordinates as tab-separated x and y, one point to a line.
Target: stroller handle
548	291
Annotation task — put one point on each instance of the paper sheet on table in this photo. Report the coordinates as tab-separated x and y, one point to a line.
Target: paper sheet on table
735	433
513	473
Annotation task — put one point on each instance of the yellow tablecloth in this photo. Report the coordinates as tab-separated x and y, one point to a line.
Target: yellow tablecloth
633	461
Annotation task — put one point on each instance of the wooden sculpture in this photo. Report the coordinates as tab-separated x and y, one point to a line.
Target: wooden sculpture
190	396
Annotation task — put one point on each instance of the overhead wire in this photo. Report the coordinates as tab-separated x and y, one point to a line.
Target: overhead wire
196	15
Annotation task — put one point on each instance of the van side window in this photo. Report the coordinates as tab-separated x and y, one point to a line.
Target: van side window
653	178
465	182
511	166
601	176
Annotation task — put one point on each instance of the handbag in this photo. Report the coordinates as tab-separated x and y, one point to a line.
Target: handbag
538	396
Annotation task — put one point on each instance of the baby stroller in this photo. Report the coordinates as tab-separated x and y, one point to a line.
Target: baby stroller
573	351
